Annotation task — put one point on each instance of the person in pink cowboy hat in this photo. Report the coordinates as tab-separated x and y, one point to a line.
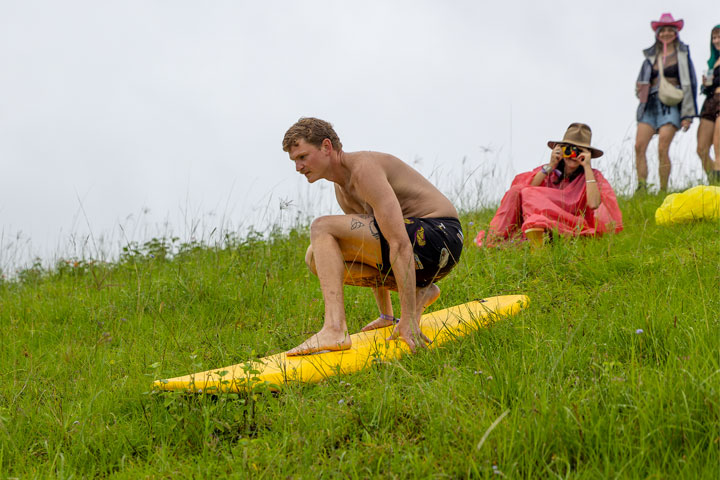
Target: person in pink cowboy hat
654	116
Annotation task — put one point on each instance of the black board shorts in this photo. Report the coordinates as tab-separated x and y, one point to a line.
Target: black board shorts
437	245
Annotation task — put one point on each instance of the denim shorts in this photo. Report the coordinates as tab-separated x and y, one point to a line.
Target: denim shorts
658	114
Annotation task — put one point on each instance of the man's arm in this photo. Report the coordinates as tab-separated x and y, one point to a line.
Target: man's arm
375	189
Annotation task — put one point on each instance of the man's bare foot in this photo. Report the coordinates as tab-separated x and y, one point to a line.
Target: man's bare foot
377	323
323	340
425	296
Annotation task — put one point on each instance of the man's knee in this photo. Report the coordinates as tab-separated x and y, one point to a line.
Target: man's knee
320	225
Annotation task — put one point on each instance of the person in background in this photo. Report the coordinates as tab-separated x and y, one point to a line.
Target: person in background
708	134
653	116
566	195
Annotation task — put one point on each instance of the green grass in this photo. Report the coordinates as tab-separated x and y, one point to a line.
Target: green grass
568	388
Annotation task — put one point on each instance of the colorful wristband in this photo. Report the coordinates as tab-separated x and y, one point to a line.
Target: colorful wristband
389	318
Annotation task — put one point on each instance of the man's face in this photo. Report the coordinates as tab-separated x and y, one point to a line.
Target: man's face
309	160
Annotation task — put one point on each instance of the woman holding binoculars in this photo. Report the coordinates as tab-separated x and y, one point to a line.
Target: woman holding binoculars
566	195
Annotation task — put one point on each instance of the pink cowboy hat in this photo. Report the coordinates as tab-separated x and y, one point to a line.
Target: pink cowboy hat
666	19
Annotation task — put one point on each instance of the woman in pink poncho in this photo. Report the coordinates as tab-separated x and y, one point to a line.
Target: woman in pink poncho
567	195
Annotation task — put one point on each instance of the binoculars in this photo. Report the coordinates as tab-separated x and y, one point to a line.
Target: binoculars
570	151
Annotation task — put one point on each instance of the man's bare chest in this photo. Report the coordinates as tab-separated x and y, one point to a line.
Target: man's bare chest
352	200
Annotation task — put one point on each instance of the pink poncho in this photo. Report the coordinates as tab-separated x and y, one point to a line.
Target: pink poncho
561	207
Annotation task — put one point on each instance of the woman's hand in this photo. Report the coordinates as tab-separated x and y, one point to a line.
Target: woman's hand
555	157
585	159
685	123
544	173
592	189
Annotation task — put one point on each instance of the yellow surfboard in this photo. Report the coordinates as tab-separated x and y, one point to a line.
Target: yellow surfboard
367	347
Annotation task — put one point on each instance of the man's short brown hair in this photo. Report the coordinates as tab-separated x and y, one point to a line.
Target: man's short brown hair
313	131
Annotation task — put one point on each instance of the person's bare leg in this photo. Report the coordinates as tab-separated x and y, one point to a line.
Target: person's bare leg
716	145
366	276
705	132
337	241
361	275
424	297
360	248
384	303
330	268
644	134
357	274
665	136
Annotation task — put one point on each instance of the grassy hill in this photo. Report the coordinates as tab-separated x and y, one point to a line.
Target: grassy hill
613	370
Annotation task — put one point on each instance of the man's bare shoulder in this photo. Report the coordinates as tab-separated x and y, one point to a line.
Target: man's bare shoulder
368	156
416	195
367	169
369	162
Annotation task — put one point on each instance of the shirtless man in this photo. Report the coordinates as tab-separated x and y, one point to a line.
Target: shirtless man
398	233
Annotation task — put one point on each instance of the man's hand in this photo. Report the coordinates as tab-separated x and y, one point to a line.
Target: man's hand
685	123
411	334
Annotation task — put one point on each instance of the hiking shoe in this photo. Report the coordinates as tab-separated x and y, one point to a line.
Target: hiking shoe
714	177
536	236
641	188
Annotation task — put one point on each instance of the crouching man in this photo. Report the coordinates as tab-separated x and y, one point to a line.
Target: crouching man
398	233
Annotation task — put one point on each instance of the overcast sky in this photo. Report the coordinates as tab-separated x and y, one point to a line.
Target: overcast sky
136	118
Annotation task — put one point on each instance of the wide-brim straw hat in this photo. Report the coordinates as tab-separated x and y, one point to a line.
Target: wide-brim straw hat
578	134
666	19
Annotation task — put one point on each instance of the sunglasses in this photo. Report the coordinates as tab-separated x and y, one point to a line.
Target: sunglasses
570	151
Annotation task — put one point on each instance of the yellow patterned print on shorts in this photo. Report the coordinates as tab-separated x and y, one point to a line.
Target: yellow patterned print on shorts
420	236
408	221
444	257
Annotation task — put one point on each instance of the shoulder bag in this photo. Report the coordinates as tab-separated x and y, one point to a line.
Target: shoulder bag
667	92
